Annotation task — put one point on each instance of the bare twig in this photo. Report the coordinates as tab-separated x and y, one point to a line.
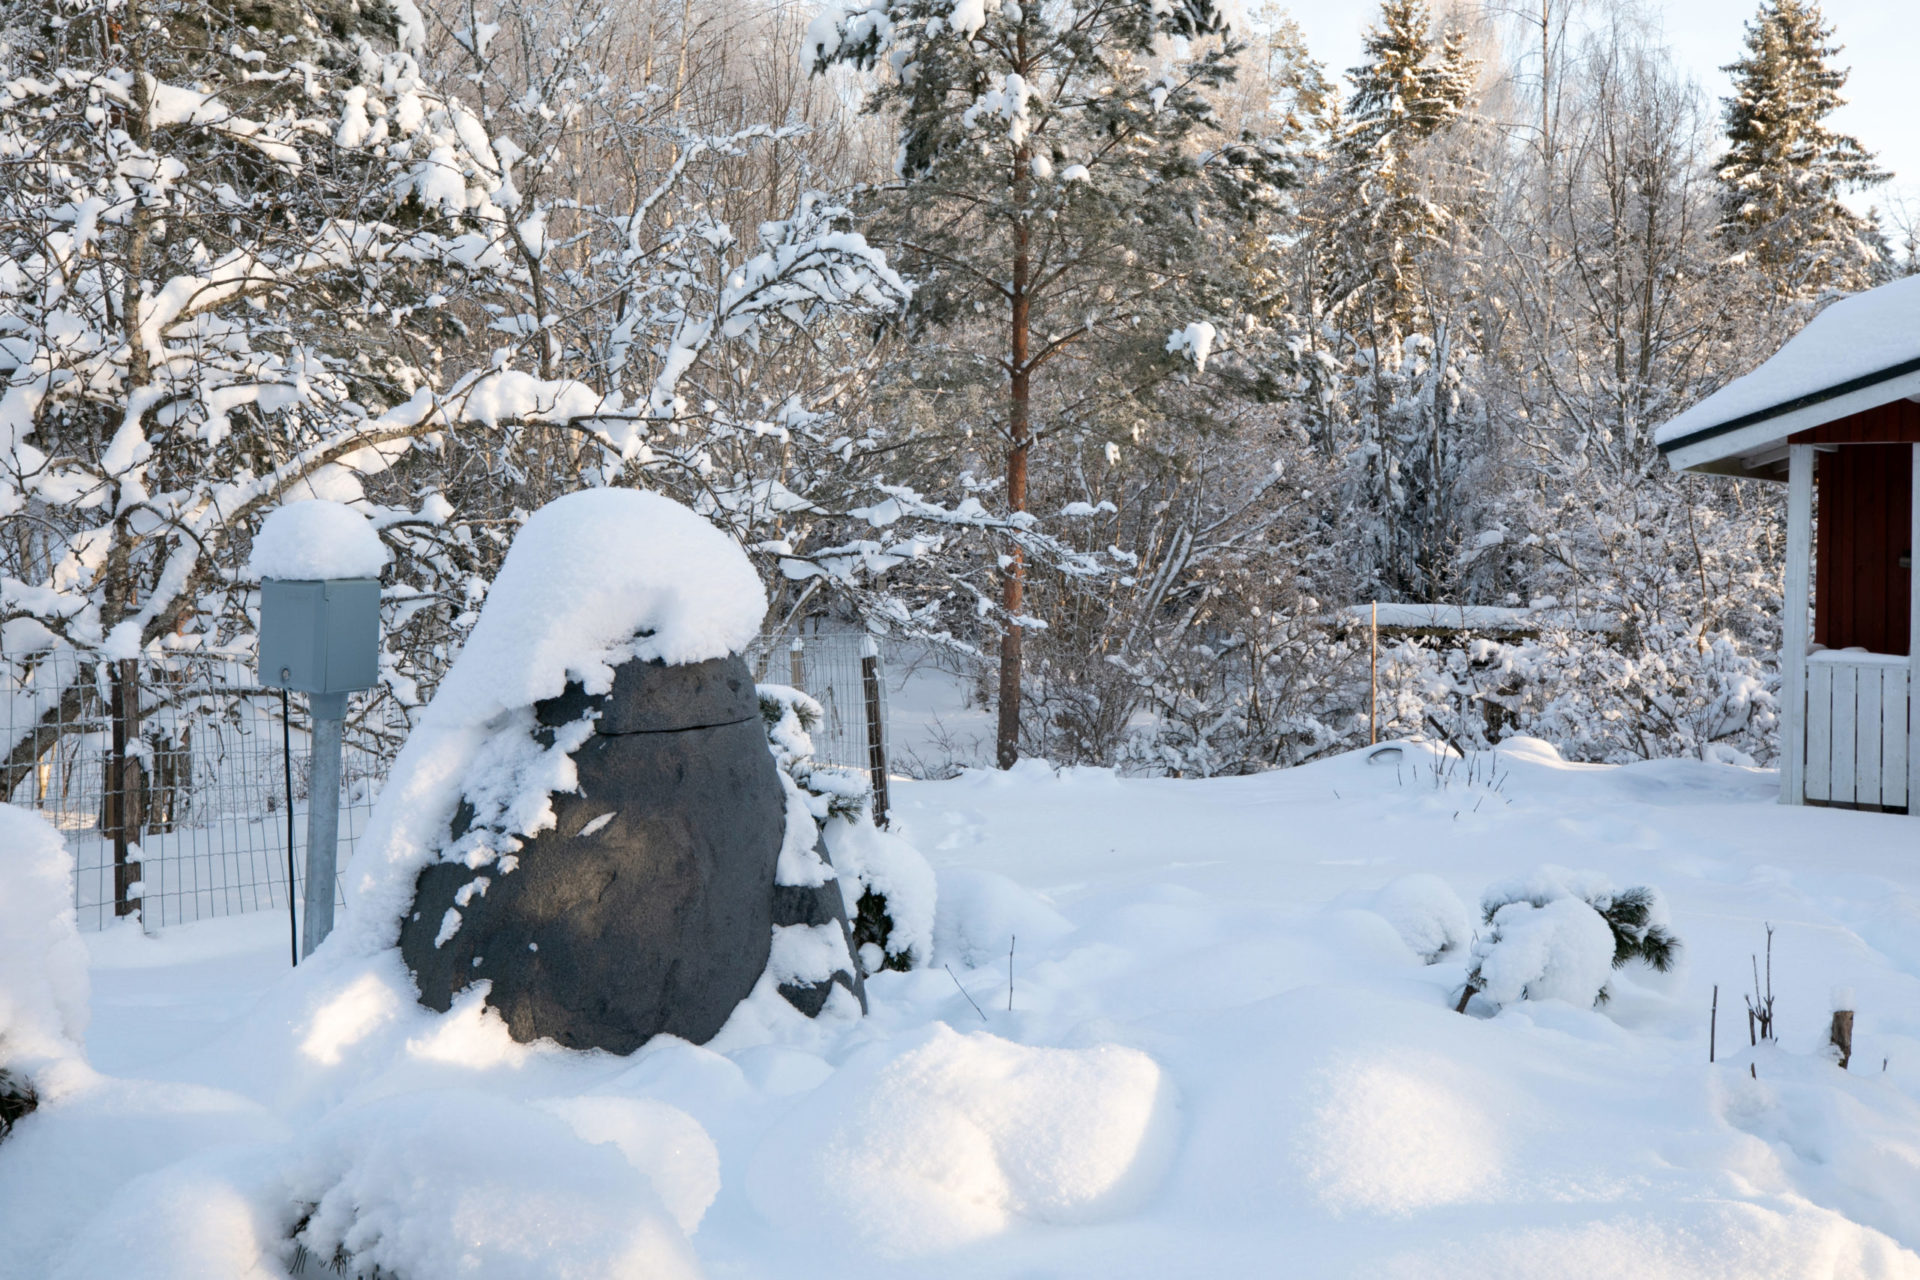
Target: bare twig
963	991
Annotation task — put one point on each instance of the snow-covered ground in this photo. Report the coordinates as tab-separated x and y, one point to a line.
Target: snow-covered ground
1222	1059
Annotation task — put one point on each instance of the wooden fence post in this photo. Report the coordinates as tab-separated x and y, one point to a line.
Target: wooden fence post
876	728
125	792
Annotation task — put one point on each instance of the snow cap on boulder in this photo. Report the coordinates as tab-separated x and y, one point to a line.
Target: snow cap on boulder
587	574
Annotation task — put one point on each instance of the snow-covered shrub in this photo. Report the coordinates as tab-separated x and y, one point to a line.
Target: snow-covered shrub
1426	913
43	963
894	912
887	885
791	717
1558	935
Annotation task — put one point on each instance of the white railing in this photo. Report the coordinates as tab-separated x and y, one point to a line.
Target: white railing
1859	709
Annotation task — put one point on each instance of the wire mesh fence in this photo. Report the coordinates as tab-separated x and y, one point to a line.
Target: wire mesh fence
167	777
845	673
168	780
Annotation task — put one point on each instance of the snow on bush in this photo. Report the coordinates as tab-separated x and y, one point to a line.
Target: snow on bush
888	887
458	1182
1426	913
587	574
316	539
43	963
1562	950
1559	935
893	911
791	717
962	1136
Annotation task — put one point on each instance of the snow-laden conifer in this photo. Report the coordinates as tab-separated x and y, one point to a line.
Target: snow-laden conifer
1785	170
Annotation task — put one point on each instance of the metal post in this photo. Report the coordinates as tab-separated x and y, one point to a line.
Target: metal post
876	728
286	765
323	815
796	665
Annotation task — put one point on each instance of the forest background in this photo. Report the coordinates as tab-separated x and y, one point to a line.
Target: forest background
1106	355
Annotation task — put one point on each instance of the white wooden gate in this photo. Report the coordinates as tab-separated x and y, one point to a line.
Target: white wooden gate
1858	728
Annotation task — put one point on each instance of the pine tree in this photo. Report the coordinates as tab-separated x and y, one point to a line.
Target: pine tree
1058	171
1392	222
1383	216
1785	170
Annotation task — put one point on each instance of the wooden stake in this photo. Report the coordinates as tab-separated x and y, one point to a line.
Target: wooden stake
1373	679
1842	1035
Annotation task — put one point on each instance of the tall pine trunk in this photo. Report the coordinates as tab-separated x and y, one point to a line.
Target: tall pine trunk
1013	578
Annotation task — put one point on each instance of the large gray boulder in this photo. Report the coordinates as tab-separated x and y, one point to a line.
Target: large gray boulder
649	908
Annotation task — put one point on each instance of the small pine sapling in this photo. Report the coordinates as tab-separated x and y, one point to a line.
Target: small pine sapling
1636	917
17	1099
1546	938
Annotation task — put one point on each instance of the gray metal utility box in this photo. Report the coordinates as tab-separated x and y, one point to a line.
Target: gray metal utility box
320	636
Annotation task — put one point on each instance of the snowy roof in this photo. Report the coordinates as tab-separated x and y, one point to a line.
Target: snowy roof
1858	354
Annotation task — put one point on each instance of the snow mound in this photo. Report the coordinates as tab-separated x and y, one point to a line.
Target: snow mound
663	1142
1426	913
588	573
1393	1139
43	963
962	1136
302	541
457	1182
979	913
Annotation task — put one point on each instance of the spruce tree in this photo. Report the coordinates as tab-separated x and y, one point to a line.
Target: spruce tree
1392	225
1785	170
1382	216
1060	181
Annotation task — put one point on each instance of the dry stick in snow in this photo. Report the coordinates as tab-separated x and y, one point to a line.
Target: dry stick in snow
963	991
1013	938
1760	1003
1713	1022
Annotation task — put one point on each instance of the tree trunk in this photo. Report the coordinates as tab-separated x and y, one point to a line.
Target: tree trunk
126	786
1013	577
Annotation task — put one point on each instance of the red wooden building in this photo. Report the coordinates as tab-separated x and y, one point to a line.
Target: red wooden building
1834	415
